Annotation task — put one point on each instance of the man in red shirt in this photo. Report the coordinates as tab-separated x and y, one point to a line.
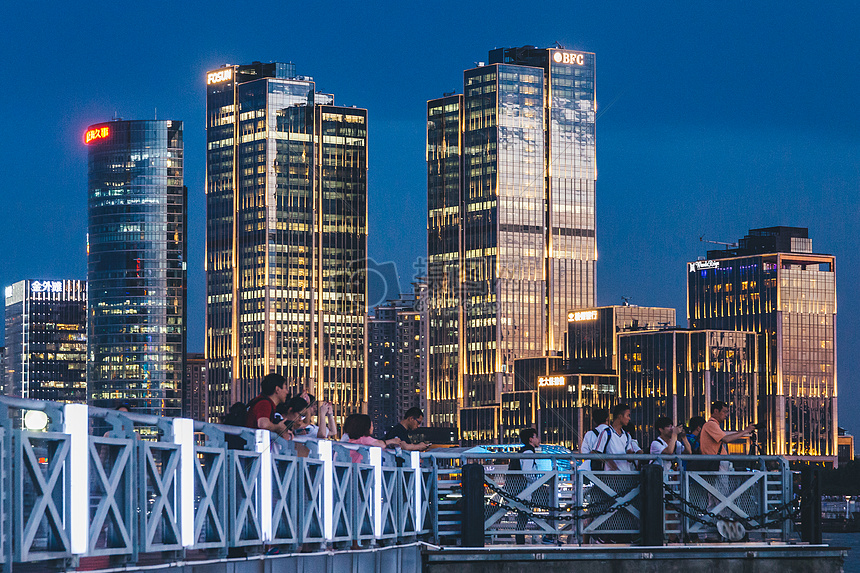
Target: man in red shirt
261	409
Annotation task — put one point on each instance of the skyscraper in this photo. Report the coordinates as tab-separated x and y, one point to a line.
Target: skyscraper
46	340
136	265
511	222
395	357
773	284
286	237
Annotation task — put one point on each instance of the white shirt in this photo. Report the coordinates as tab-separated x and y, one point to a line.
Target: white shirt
658	446
588	443
618	444
313	430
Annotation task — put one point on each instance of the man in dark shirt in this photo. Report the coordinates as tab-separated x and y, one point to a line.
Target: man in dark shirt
412	419
261	410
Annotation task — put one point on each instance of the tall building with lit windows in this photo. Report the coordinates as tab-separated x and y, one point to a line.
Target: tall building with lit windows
46	340
136	265
511	222
286	237
395	354
772	283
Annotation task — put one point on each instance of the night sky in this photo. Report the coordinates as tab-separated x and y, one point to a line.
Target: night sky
712	119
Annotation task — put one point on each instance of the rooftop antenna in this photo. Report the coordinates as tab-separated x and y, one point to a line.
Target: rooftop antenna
727	245
626	300
156	114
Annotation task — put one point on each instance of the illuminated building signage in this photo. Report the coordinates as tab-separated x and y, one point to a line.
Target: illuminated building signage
582	315
568	58
46	286
701	265
219	76
97	133
544	381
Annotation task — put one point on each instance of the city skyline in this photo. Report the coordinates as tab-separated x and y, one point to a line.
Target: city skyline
756	138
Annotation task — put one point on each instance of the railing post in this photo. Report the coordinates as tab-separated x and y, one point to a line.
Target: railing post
472	481
810	505
651	523
76	424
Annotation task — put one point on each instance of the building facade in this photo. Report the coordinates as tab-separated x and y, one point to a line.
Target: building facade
394	361
592	334
136	265
511	222
773	284
195	391
286	237
46	340
552	397
679	373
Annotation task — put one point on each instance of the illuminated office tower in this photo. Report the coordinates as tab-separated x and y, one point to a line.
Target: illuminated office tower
511	221
136	265
46	340
286	237
773	284
679	373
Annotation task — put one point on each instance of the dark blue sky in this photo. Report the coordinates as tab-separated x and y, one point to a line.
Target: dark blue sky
714	118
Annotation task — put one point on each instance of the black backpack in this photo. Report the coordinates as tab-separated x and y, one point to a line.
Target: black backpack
600	465
237	415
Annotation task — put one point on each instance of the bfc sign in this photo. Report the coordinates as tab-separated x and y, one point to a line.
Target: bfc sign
219	76
94	134
568	58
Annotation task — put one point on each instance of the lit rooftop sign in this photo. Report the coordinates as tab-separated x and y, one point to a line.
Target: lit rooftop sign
702	265
582	315
46	286
219	76
545	381
97	133
569	58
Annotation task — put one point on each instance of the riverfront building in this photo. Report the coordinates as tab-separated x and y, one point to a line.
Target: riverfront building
395	358
678	373
773	284
511	224
557	398
136	265
286	237
46	340
592	334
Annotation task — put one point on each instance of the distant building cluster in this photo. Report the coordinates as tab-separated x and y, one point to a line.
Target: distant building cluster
502	331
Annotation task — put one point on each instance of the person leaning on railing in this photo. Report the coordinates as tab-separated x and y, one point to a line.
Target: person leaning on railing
261	410
359	428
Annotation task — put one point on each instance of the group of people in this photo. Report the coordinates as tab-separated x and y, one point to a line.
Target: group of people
699	437
609	436
288	417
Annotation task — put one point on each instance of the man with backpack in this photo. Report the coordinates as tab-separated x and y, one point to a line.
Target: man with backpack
600	417
618	441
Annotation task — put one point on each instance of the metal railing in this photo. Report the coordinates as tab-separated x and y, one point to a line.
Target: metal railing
88	486
559	502
75	491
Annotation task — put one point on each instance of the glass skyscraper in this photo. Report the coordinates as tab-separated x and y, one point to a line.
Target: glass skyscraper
46	340
136	265
773	284
679	373
511	221
286	237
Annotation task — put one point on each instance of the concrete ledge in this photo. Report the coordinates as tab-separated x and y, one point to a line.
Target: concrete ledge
726	558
